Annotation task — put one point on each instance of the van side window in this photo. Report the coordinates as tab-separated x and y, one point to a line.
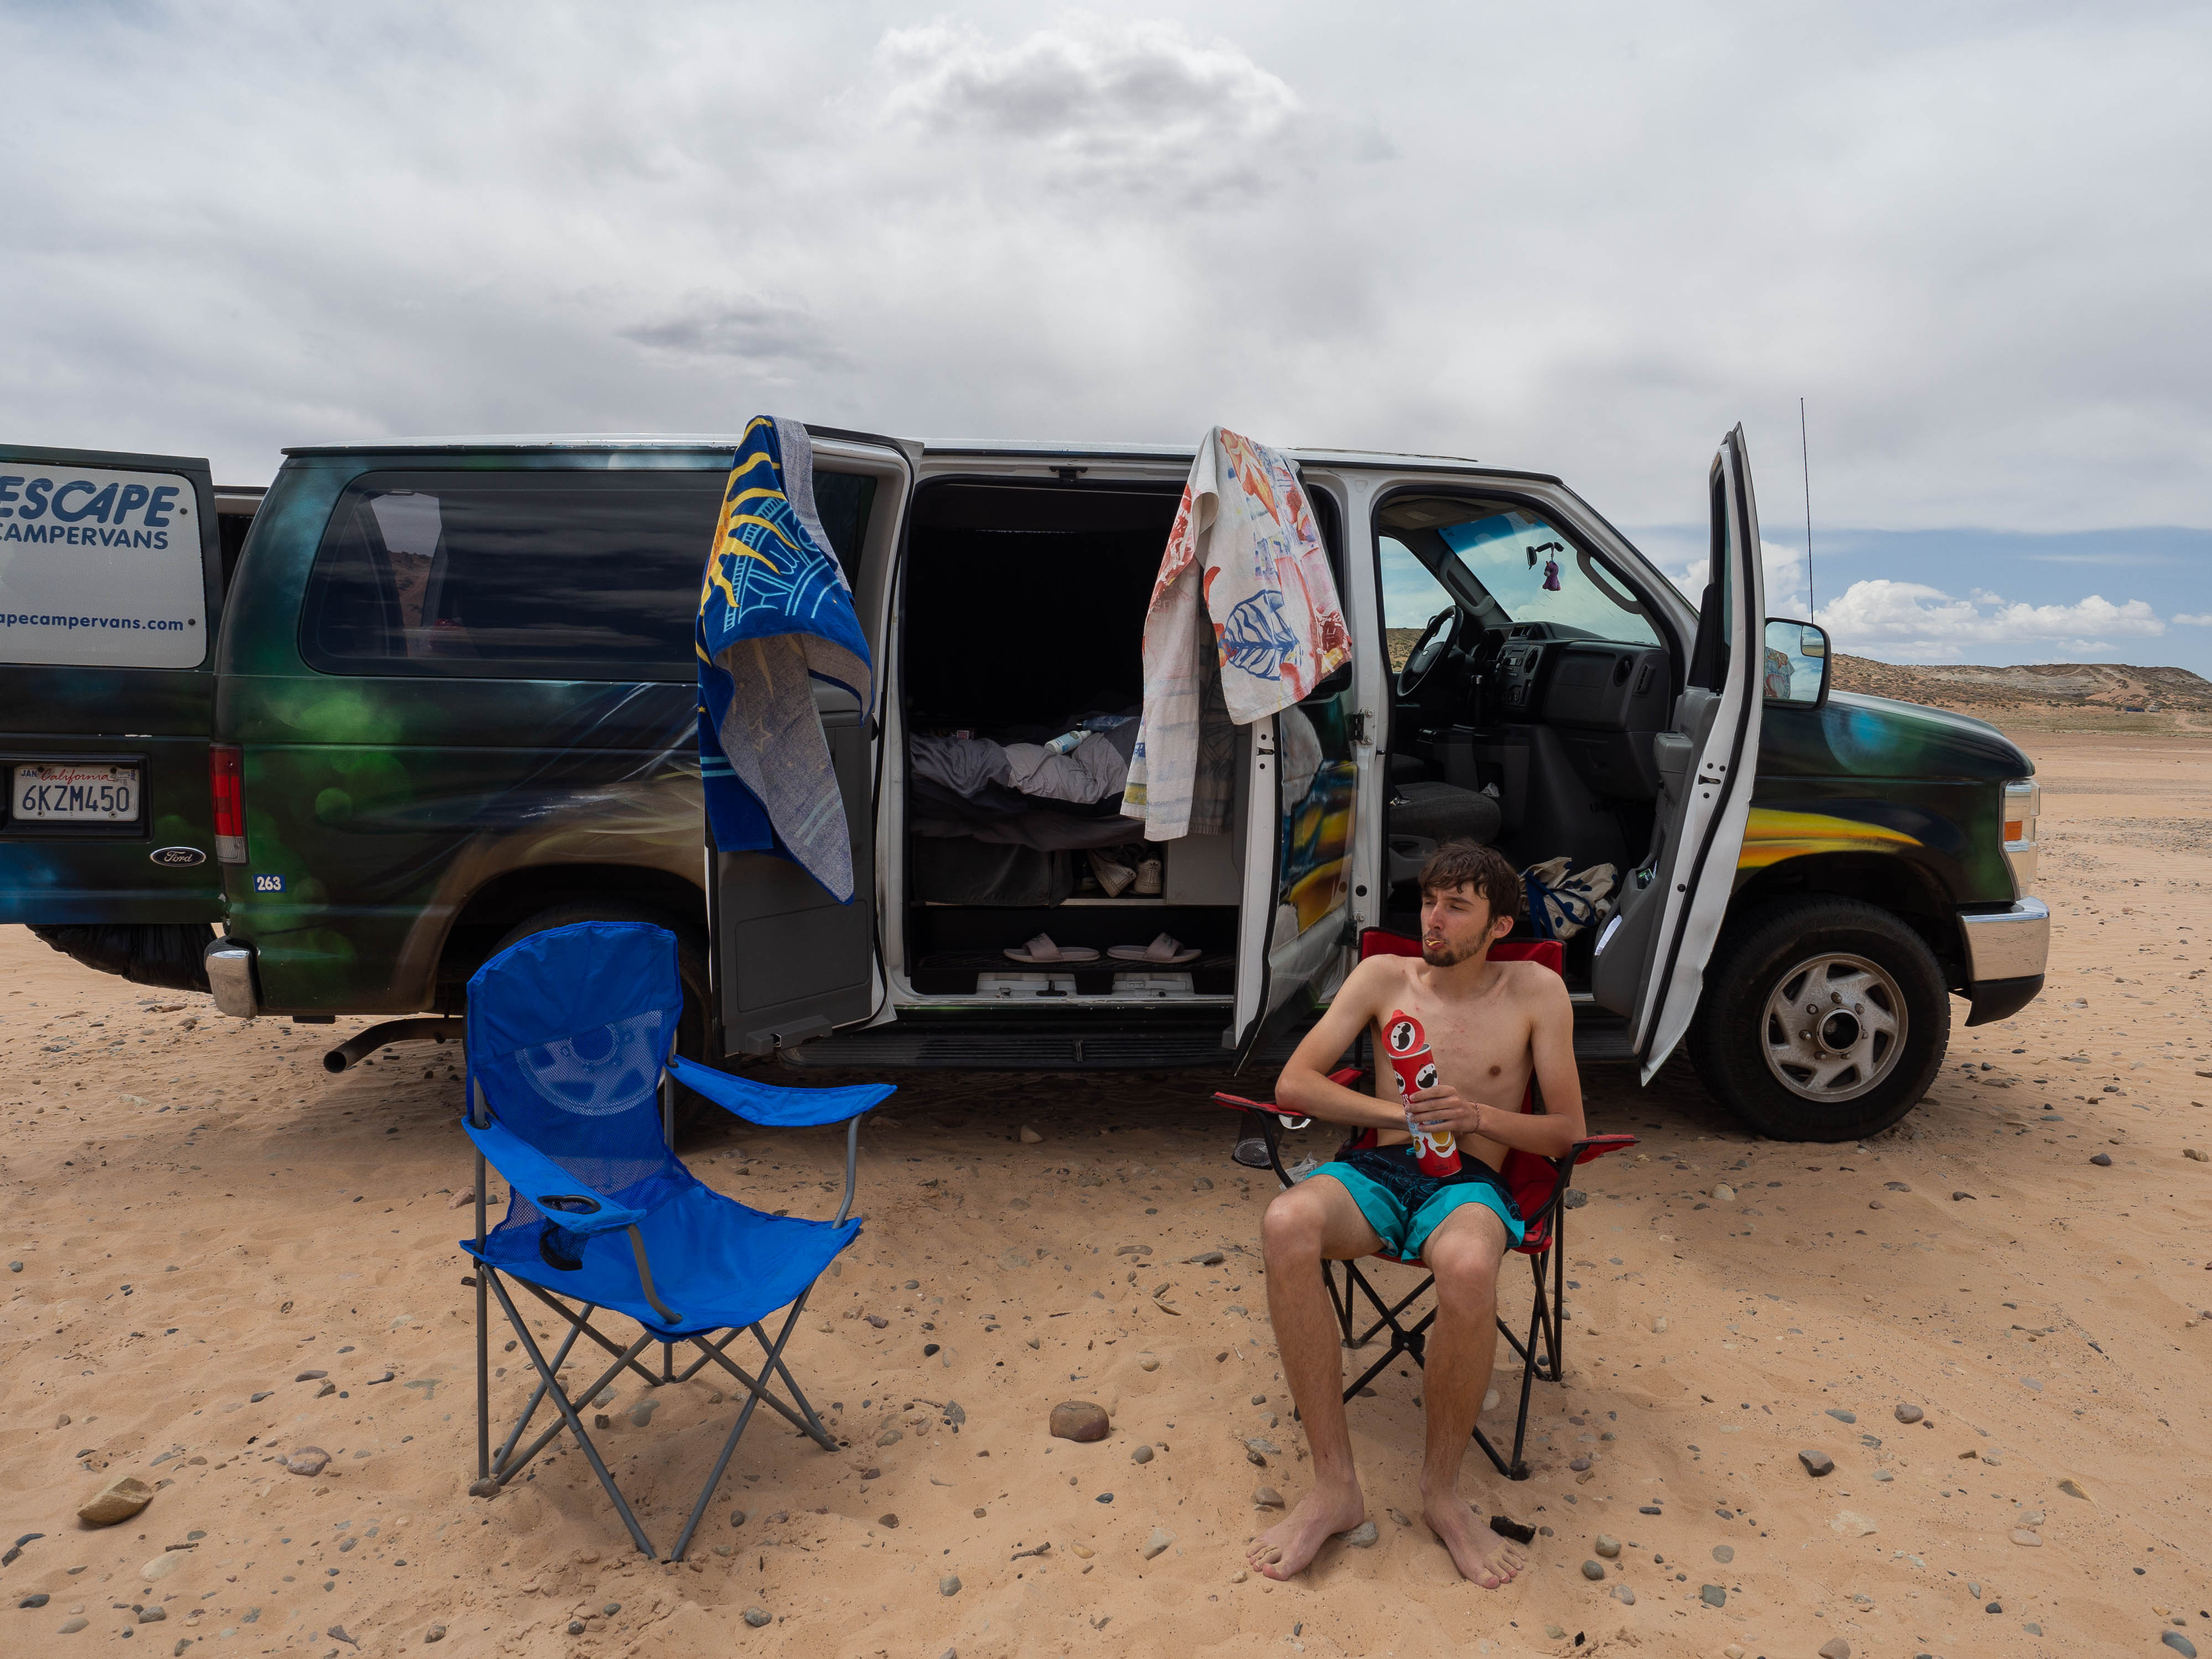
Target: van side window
526	574
1411	596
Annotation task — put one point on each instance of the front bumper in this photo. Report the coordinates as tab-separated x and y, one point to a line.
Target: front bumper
231	977
2007	953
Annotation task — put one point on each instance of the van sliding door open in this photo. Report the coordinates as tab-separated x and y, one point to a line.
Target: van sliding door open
789	962
1651	956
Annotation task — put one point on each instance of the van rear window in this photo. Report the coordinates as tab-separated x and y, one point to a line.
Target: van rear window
525	575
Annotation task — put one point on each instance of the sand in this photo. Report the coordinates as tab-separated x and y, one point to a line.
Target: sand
203	1214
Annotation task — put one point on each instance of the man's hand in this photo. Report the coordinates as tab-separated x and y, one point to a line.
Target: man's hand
1444	1108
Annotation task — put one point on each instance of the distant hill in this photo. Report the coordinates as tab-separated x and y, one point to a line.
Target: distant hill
2096	694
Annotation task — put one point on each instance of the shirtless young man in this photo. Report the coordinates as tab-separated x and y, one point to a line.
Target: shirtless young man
1491	1026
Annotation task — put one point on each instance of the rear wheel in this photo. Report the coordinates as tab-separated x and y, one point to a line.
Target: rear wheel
690	969
1823	1019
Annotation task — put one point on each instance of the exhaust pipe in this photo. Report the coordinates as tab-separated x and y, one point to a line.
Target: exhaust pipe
435	1027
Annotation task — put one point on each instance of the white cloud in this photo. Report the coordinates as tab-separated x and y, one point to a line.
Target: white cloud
2203	621
1912	621
1783	567
1137	105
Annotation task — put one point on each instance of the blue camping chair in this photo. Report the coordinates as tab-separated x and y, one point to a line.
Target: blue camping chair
570	1039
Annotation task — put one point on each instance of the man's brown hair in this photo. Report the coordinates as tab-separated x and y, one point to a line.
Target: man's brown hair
1463	864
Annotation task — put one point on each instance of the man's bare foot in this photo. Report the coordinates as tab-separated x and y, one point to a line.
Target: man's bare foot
1283	1550
1479	1553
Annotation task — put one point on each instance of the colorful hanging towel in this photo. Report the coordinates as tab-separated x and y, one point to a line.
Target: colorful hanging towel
774	615
1244	621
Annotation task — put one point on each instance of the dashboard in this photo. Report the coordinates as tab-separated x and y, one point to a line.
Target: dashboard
1599	683
1605	700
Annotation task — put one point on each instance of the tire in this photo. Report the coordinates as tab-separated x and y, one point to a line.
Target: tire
690	969
1876	1047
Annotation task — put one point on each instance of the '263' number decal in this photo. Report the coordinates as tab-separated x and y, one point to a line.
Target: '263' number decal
269	883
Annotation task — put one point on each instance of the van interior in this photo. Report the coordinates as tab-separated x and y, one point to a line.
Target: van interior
1024	612
1523	707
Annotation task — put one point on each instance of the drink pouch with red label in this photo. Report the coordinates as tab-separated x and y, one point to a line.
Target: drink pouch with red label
1408	1047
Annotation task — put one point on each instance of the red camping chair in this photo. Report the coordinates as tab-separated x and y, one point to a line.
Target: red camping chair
1539	1186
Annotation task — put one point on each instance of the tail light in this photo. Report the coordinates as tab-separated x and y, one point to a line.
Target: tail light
227	781
2023	805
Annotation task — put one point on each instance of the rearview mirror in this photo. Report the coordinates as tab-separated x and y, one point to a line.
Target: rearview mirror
1797	668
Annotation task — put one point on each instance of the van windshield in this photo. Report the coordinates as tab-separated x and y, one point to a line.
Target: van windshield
1509	565
526	574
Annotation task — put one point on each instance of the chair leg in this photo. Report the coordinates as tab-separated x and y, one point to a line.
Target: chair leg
568	1411
709	1352
820	1435
1340	1305
1411	1342
1558	1295
560	1310
483	1362
1520	1470
1548	1324
1517	1467
537	1398
1495	1461
505	1472
744	1416
809	1424
483	1336
1387	1316
1414	1342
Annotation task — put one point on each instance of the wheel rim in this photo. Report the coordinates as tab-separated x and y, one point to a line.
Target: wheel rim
1835	1027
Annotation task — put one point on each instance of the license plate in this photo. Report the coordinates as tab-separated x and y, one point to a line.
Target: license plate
58	793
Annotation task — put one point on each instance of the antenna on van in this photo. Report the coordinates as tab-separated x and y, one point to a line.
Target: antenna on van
1805	461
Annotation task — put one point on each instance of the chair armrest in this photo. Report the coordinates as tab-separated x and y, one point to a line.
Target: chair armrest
547	1185
781	1109
1592	1146
1262	1109
1345	1076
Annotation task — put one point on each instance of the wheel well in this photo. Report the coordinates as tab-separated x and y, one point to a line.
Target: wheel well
1890	882
506	900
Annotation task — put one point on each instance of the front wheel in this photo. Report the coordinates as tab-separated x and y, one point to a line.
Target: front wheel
1823	1019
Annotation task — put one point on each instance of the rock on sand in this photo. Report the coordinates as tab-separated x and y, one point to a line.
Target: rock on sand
119	1500
1079	1419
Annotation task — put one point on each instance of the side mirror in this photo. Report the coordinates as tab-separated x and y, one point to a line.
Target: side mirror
1796	667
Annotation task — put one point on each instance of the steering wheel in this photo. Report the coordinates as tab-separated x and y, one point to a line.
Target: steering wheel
1430	650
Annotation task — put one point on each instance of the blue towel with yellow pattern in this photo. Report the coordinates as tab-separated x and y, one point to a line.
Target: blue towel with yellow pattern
775	616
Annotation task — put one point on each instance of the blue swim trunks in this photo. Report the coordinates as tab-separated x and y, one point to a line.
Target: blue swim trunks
1404	1205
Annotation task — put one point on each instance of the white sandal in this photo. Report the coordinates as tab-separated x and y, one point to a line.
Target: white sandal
1041	950
1162	952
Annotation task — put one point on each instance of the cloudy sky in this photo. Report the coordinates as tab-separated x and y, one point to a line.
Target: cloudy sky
1582	238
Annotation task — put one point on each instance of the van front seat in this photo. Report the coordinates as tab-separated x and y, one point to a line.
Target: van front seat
1421	814
1443	811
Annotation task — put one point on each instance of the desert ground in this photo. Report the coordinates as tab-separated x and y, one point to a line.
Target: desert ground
195	1217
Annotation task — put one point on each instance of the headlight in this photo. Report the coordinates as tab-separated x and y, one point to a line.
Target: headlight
2023	803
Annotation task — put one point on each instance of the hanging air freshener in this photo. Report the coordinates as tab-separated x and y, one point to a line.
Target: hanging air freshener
1551	566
